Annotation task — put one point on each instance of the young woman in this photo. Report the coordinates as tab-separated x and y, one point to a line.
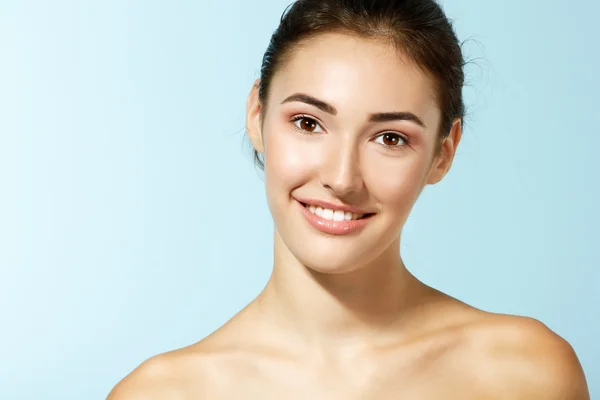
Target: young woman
357	109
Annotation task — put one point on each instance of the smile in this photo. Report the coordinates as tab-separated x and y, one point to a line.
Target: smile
333	215
334	221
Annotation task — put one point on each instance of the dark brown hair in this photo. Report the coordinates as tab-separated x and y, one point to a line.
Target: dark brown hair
418	29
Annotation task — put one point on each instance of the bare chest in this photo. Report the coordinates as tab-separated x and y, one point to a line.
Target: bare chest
267	390
353	382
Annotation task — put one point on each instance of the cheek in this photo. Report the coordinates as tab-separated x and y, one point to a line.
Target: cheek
397	185
289	159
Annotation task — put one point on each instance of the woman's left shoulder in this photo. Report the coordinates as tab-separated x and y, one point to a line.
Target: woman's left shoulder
520	357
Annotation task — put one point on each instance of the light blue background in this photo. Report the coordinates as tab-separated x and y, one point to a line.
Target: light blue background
132	220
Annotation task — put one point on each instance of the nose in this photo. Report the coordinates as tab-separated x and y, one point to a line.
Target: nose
340	169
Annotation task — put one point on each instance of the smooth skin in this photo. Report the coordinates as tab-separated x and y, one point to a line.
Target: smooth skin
341	316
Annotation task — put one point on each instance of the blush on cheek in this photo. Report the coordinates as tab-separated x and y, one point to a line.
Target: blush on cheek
289	159
397	184
399	192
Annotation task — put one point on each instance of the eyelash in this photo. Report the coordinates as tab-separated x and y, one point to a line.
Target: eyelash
297	118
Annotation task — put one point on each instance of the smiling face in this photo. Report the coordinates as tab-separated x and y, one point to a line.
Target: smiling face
349	141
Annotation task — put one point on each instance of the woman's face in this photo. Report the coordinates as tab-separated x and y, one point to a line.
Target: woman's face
348	139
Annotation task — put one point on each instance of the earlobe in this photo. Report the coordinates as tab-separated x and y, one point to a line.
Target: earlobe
253	118
443	161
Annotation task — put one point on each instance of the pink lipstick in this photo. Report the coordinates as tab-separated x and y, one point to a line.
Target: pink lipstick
333	219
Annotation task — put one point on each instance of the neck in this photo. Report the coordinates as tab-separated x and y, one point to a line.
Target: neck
368	304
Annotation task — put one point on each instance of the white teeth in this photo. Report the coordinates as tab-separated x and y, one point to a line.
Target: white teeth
327	214
333	215
338	215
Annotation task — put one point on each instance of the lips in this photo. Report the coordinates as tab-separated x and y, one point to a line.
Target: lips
332	219
327	205
333	214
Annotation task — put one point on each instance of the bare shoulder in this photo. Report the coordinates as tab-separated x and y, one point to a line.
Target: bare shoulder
199	371
146	382
521	358
177	375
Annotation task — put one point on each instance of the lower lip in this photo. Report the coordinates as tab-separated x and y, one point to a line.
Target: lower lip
333	227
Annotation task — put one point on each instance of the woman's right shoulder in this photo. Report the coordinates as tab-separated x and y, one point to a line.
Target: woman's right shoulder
177	375
148	381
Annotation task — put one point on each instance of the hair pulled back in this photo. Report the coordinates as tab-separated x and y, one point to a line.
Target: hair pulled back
418	29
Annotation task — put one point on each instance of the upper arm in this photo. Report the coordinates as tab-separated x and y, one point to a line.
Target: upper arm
144	383
536	363
560	375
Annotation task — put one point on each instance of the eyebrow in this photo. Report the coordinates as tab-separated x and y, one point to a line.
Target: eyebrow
395	116
374	117
304	98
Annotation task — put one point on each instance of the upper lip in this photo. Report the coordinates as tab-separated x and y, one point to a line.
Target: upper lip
331	206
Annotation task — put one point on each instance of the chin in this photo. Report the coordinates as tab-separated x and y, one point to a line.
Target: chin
325	247
331	255
330	267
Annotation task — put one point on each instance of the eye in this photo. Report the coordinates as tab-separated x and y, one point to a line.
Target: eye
391	140
306	124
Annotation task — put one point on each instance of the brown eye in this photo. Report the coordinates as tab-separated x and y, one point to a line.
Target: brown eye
307	124
390	139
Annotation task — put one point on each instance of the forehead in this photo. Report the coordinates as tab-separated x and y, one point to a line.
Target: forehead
356	75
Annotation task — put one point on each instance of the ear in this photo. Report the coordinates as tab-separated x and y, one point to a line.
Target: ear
253	118
443	160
